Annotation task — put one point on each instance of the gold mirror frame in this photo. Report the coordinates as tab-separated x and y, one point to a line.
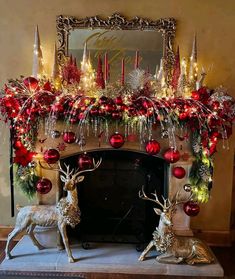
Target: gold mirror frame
167	27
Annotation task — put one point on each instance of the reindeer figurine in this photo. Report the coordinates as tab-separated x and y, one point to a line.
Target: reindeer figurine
174	249
65	212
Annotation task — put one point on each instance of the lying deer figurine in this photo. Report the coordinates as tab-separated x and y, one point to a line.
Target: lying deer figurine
174	249
65	212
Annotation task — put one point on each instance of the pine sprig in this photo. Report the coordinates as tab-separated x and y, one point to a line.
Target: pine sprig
25	179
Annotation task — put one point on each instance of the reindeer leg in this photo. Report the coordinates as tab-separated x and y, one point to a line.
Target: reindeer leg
62	228
146	250
11	236
33	238
169	258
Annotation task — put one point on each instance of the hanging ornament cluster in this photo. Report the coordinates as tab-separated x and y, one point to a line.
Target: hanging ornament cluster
89	104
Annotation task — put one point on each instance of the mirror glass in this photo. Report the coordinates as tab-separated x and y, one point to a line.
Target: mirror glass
118	44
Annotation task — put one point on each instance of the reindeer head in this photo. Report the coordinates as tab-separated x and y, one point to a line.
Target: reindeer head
168	206
72	177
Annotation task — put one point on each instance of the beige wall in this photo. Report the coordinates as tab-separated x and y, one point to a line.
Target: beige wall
214	22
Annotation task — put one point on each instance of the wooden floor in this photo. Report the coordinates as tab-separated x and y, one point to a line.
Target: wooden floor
225	255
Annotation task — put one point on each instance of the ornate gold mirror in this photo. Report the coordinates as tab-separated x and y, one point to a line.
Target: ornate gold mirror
119	37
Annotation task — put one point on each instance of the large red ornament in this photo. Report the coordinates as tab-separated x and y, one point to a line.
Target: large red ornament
85	161
43	186
31	83
191	208
51	156
178	172
69	137
116	140
171	155
152	147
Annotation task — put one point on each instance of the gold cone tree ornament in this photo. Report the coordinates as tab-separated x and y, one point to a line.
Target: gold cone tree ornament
182	88
38	69
193	67
87	81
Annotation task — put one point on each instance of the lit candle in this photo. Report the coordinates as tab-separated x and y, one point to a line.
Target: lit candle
137	59
106	67
123	72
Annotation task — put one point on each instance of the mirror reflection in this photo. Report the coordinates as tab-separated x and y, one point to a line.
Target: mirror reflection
118	44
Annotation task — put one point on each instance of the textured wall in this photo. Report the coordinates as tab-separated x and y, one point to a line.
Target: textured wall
213	20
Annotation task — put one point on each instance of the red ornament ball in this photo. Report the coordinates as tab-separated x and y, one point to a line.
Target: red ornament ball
69	137
116	140
191	208
43	186
178	172
31	83
171	155
119	101
195	95
85	161
18	144
51	156
152	147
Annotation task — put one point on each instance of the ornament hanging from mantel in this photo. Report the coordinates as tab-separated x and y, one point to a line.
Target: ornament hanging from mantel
137	103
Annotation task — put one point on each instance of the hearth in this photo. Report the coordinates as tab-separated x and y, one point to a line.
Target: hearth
108	198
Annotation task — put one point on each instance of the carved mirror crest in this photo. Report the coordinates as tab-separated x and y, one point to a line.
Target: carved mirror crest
119	37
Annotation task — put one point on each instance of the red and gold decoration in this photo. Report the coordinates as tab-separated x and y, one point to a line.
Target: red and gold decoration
43	186
90	105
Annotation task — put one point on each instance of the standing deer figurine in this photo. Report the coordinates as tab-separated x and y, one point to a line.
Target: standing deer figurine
65	212
174	249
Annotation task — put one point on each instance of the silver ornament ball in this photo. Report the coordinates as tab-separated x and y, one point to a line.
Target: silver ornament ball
187	187
55	134
32	164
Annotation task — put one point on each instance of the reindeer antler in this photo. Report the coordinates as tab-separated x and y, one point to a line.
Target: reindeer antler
68	173
176	198
60	169
166	205
95	164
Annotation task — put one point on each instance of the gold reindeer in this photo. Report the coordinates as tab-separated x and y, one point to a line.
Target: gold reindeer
175	249
65	212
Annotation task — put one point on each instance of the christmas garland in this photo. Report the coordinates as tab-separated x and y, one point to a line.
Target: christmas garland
82	99
26	102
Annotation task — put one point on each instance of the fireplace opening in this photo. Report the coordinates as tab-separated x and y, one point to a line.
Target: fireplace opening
111	210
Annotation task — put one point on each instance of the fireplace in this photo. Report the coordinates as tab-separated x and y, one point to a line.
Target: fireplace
108	198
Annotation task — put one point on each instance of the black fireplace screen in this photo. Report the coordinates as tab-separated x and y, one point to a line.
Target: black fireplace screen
108	197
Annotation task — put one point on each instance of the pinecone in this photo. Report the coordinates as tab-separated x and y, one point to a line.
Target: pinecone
204	173
196	144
